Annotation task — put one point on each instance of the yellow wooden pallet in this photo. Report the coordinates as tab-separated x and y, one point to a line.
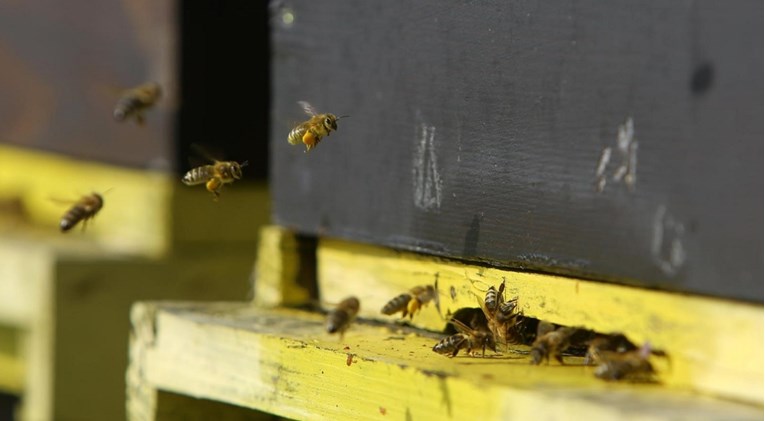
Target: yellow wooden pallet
265	356
65	298
282	361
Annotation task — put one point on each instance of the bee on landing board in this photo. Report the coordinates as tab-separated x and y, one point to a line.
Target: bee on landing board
505	323
631	365
340	318
615	343
467	338
550	341
214	175
311	132
136	101
81	211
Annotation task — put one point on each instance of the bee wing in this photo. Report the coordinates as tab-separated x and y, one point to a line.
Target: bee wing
308	108
61	201
203	153
461	327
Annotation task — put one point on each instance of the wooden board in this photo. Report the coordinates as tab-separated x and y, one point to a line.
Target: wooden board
715	345
283	362
480	130
147	213
64	69
64	310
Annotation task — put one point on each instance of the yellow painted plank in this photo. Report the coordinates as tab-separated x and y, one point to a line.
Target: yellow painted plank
716	346
145	212
134	217
283	362
276	272
11	362
233	222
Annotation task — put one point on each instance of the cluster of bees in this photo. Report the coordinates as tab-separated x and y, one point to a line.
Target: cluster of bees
135	102
498	322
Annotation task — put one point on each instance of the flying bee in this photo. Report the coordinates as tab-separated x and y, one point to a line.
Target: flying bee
467	338
311	132
214	175
411	302
629	365
340	318
136	101
550	342
82	211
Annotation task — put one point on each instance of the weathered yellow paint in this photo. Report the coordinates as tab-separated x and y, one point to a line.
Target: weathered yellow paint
145	212
11	362
716	346
283	362
275	280
133	219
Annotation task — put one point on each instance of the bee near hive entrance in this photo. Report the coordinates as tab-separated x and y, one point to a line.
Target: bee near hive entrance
81	211
497	320
313	130
134	102
213	175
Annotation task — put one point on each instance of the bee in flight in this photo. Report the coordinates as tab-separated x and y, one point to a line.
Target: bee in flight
340	318
214	175
311	132
136	101
81	211
411	302
467	338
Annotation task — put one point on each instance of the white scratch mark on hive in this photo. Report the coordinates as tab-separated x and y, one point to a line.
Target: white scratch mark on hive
427	180
667	247
605	158
626	152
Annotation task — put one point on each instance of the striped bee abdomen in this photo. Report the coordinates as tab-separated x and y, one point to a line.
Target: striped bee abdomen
198	175
397	304
296	135
125	107
85	209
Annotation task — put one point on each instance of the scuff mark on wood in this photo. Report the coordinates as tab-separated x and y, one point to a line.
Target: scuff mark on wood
426	176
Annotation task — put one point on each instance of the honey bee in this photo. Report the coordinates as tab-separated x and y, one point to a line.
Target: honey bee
214	175
82	210
617	343
411	302
340	318
550	342
494	298
136	101
504	323
469	339
629	365
311	132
